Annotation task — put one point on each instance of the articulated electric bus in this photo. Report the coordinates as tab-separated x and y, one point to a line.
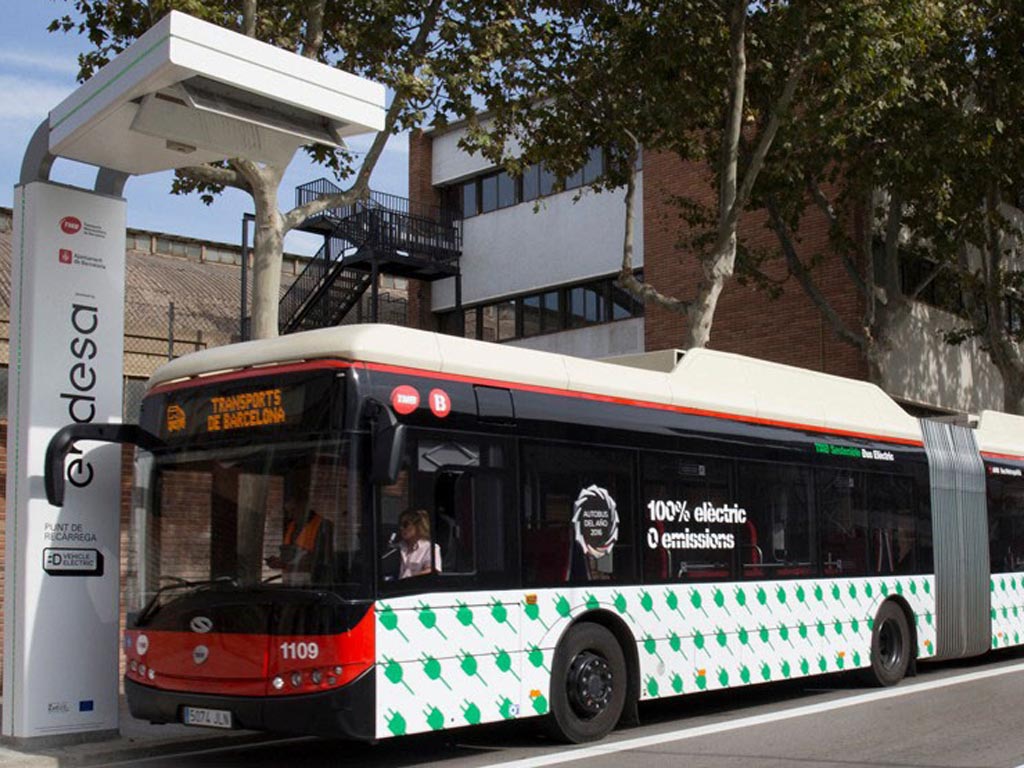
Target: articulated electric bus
371	531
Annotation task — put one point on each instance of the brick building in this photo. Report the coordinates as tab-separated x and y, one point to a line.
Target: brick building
538	268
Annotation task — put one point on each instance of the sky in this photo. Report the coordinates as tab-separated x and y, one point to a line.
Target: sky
37	71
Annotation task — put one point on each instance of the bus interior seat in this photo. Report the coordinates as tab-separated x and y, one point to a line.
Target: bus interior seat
548	548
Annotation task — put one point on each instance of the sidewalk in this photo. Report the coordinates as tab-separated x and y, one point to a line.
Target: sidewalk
138	740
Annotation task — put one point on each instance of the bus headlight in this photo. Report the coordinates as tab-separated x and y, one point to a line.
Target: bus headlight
296	679
278	683
316	677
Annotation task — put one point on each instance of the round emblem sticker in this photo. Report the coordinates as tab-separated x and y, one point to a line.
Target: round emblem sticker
440	403
405	399
595	521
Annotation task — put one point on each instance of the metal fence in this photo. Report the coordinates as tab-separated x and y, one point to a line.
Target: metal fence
153	335
156	333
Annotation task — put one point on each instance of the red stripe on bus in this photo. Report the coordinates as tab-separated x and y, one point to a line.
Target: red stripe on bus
1010	456
246	373
638	403
537	389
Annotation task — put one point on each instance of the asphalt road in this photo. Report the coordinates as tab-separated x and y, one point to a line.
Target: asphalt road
964	714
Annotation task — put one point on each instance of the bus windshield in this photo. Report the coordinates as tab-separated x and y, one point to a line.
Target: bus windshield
270	516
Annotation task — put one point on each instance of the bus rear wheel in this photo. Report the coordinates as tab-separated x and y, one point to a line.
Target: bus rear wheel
588	684
890	646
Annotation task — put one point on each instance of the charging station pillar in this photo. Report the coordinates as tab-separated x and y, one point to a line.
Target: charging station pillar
61	596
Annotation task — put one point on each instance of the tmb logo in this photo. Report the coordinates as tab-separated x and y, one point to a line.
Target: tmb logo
66	256
70	225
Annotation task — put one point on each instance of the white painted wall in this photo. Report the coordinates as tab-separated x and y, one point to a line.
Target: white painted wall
451	163
518	249
920	367
624	337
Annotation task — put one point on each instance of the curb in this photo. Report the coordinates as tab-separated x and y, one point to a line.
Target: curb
125	749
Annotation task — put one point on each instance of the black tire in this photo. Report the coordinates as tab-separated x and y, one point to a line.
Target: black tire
891	648
588	684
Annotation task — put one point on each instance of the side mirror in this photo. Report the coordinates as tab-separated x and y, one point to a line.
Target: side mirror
387	445
65	438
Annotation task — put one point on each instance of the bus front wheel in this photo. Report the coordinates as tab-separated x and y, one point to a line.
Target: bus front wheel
890	646
588	684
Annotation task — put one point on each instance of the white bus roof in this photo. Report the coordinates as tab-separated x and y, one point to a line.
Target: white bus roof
702	380
1001	433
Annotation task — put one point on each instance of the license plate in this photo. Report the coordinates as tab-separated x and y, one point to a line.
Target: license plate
207	718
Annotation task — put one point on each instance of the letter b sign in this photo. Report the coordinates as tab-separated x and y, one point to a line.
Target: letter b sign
440	403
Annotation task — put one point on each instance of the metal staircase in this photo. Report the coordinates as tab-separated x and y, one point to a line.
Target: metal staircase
382	234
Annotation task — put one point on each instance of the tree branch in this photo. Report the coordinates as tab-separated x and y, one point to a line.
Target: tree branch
803	276
867	244
928	279
249	18
642	291
361	185
248	170
764	144
893	225
734	126
314	37
211	174
833	223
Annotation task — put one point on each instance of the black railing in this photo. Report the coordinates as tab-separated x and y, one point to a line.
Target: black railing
389	233
381	233
330	306
314	190
309	281
322	292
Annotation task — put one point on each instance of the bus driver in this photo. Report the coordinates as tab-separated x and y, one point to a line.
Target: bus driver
301	544
414	544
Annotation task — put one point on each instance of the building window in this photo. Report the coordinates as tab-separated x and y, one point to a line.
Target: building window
574	181
942	289
499	189
470	204
594	167
508	189
488	194
547	181
573	306
587	305
531	183
507	320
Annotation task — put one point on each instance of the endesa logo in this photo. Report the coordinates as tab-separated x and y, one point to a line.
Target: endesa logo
65	256
405	399
70	225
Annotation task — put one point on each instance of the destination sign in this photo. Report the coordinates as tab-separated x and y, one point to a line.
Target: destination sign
234	408
247	410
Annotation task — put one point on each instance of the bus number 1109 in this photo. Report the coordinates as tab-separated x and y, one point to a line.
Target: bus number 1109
302	651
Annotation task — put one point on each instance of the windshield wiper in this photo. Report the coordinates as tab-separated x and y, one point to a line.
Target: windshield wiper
179	583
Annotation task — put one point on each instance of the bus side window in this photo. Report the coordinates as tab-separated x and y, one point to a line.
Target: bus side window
691	525
1006	523
775	541
843	522
461	483
893	540
472	513
577	506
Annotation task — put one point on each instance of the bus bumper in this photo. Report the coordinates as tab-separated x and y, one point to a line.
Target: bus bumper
346	712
